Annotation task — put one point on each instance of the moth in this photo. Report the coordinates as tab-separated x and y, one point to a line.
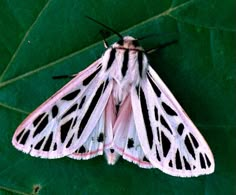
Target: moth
118	106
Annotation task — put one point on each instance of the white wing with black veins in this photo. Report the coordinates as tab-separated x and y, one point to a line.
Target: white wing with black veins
63	123
169	139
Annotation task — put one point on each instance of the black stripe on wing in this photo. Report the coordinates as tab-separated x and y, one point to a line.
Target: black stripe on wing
91	107
146	119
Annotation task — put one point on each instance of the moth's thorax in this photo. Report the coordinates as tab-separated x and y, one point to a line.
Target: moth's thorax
126	63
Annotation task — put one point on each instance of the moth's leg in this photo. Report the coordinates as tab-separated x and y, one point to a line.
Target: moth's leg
105	43
104	34
160	47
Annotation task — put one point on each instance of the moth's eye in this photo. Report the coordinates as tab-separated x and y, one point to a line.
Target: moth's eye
136	43
121	42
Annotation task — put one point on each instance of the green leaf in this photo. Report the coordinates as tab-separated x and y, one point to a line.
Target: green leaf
41	39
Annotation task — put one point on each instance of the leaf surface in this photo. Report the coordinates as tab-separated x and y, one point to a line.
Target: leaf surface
41	39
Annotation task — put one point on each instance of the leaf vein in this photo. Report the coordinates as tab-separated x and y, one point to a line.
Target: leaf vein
14	109
22	41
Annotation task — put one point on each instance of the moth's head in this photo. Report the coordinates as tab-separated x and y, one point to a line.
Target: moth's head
128	42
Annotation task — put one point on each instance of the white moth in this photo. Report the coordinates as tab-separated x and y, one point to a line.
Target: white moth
118	106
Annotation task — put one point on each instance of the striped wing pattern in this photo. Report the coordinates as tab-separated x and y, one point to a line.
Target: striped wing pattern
118	106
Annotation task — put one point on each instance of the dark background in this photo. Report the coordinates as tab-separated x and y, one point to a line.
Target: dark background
40	39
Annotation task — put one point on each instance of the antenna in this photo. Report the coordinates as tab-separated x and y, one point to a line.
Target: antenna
107	27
